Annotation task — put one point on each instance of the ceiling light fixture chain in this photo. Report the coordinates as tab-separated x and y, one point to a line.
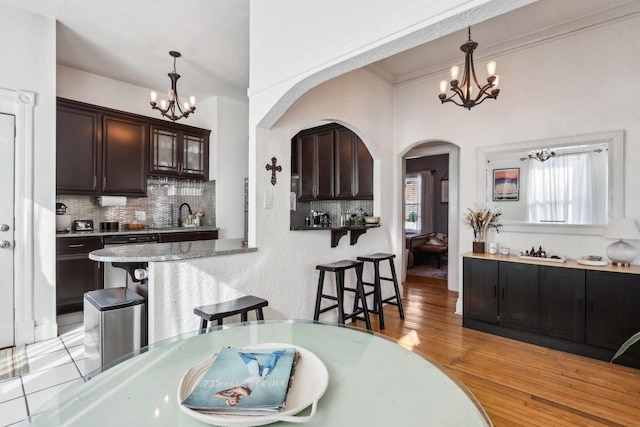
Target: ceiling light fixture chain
168	109
464	89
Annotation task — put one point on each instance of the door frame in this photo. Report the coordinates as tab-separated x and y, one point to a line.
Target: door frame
433	148
21	104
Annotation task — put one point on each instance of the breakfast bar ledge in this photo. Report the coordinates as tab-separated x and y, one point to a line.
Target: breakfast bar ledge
172	294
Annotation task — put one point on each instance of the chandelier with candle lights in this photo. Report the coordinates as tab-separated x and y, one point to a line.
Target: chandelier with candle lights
172	109
464	89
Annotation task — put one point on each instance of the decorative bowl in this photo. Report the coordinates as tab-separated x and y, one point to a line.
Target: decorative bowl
372	219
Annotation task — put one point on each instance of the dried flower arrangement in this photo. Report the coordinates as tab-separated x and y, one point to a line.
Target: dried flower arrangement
482	220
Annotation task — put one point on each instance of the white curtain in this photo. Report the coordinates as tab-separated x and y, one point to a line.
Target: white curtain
562	190
427	201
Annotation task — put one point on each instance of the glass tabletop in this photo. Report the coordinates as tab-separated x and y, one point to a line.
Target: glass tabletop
372	381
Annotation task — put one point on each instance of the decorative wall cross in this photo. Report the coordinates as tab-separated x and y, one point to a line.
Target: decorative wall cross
273	168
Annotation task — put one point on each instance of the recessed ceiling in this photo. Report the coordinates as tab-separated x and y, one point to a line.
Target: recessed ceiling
130	40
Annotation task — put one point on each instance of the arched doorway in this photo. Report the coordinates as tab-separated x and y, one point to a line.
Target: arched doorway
440	148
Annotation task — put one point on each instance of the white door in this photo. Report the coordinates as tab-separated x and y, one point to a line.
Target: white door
7	137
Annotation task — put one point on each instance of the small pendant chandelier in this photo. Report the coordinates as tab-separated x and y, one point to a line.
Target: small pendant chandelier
542	155
464	89
173	110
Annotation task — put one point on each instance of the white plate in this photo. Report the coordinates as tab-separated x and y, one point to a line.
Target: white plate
310	381
599	263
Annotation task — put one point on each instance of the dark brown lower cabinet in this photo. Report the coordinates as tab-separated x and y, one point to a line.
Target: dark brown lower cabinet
187	236
75	272
582	311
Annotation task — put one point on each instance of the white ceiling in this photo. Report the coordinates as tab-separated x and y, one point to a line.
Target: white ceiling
130	40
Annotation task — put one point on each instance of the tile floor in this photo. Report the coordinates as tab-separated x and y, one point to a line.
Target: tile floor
53	366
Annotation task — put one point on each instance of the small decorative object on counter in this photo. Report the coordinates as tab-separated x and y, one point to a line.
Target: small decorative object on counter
196	218
480	221
541	254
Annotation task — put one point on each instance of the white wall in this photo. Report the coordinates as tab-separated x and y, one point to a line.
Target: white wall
226	118
547	91
29	50
232	162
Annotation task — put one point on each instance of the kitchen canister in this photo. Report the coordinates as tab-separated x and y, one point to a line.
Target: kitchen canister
493	248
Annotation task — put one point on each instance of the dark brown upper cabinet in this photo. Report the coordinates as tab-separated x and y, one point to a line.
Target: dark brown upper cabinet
123	156
332	163
179	151
78	150
99	151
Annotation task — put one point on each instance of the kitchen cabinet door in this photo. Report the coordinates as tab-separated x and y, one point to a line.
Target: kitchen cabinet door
315	164
77	150
165	148
124	155
75	272
179	151
613	310
195	156
561	303
346	163
354	166
480	292
363	176
519	296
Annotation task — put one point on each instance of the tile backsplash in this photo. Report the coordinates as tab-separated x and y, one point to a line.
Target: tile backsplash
164	196
335	208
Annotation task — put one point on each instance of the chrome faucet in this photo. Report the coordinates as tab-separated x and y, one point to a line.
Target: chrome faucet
180	213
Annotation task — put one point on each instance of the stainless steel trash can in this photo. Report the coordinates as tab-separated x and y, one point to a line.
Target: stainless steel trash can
114	325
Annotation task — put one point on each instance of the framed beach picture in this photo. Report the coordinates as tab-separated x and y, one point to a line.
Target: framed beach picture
506	184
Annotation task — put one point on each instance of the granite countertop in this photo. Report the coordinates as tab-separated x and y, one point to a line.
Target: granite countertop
98	232
154	252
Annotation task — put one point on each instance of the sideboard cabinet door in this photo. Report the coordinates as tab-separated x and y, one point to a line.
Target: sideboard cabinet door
518	300
480	292
613	310
561	300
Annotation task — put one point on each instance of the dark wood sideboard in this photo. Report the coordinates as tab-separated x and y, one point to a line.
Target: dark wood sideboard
570	307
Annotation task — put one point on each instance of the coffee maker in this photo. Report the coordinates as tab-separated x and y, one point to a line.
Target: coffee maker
63	221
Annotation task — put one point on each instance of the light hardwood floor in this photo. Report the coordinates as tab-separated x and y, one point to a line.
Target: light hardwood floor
518	384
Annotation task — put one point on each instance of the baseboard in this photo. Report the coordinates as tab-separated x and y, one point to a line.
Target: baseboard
25	332
70	318
45	332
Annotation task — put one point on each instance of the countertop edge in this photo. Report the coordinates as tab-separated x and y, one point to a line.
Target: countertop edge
174	251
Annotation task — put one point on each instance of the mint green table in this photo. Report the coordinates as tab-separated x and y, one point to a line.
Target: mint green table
372	382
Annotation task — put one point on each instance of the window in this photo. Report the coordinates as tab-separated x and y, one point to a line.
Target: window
413	203
563	190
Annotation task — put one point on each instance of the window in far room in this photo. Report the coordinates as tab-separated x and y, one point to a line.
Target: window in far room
413	203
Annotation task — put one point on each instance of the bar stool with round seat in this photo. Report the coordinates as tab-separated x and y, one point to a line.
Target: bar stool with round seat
339	267
221	310
377	289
